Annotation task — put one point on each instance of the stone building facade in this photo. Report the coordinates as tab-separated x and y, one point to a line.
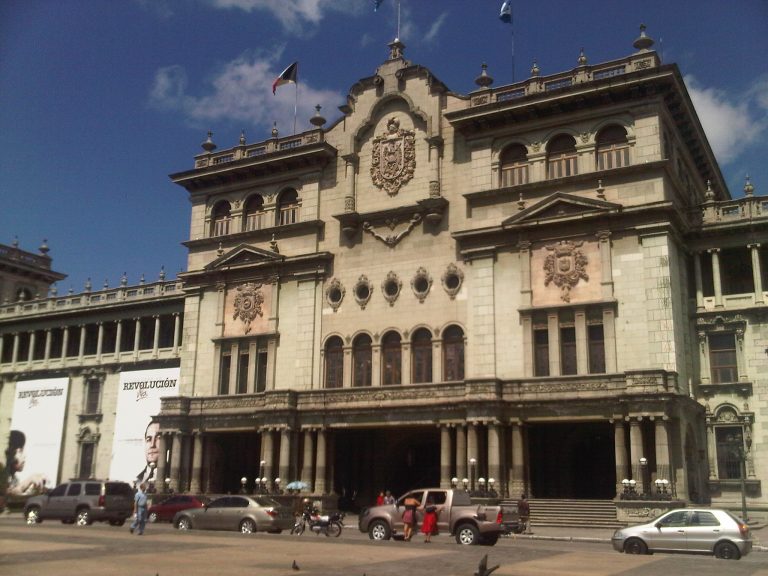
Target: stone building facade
543	287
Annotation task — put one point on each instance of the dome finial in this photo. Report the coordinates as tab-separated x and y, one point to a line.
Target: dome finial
582	58
643	42
749	190
208	145
317	119
535	70
484	80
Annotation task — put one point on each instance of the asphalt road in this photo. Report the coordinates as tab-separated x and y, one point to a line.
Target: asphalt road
54	549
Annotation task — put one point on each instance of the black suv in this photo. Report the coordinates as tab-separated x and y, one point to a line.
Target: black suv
83	502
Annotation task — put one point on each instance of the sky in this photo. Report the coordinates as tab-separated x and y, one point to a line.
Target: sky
100	100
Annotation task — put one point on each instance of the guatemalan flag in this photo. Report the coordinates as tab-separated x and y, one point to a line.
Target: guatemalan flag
506	12
290	74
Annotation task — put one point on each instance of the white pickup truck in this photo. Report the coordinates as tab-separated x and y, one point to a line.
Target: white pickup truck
469	523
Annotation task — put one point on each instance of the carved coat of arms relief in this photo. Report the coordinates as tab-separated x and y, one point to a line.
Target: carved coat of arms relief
394	157
564	266
248	301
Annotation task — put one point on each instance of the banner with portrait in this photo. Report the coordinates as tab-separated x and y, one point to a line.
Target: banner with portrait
135	449
33	453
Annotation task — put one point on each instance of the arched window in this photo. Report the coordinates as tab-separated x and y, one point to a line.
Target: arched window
361	361
221	219
561	157
514	165
421	352
612	148
453	354
392	359
334	363
254	213
288	207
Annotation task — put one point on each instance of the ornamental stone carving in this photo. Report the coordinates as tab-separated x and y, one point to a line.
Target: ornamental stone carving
394	158
248	303
565	266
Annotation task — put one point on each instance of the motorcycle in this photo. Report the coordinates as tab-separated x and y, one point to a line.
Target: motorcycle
330	524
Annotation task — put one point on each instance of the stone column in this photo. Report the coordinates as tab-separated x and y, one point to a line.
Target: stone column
81	349
526	292
136	338
15	351
606	266
705	373
435	143
162	468
699	281
100	340
306	465
175	462
346	378
494	455
461	452
582	353
156	337
553	327
32	343
47	355
268	454
609	340
715	252
757	276
118	338
285	456
350	169
445	456
636	451
375	364
195	485
405	363
663	464
517	474
176	332
620	451
320	463
711	448
2	343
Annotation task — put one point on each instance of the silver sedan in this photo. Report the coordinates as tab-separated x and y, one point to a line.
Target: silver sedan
695	530
246	514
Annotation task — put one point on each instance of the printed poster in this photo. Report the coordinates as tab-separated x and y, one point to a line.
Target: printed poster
135	451
34	444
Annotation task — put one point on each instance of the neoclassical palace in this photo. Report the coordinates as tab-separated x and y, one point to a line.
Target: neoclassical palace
545	285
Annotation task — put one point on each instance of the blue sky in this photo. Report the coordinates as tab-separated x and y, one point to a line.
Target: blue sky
101	99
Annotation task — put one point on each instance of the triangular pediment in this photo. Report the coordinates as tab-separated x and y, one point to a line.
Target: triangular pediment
245	255
561	206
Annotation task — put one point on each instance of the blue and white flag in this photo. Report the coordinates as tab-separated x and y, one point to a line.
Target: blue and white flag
506	12
376	4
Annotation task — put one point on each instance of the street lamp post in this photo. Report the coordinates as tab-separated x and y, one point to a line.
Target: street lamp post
643	477
741	453
472	464
243	483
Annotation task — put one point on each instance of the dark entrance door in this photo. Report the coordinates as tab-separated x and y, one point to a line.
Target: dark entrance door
369	461
232	457
572	460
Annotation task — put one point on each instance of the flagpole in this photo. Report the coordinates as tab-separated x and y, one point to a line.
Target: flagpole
398	19
296	101
513	51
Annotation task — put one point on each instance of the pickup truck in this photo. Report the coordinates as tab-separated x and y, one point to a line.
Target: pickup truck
469	523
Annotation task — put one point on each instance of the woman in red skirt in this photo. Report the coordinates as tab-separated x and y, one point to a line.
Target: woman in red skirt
429	523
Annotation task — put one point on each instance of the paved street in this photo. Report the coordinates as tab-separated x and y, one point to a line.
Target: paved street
52	548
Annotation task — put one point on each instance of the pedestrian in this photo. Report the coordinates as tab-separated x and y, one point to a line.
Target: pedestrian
409	517
429	522
380	499
140	510
524	513
388	498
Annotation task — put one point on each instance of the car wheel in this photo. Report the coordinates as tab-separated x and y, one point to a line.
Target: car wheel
727	551
183	523
467	535
489	540
379	530
334	529
83	517
152	517
33	515
247	526
635	546
116	522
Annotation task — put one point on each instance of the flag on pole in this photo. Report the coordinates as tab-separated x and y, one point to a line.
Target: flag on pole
290	74
376	4
506	12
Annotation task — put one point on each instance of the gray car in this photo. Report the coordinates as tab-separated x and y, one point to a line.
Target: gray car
695	530
82	502
246	514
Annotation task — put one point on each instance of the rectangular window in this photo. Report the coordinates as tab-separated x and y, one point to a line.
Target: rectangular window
261	371
86	460
722	358
596	349
562	166
92	396
242	373
541	352
226	366
729	444
422	364
514	176
568	350
613	157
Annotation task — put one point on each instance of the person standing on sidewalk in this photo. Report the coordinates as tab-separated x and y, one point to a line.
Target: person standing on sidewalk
524	514
140	510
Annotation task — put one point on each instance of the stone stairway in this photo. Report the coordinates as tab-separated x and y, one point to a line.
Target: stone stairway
576	513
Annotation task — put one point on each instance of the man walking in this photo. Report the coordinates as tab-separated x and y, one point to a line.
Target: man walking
140	509
524	514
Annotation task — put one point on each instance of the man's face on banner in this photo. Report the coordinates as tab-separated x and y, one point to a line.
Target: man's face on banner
151	437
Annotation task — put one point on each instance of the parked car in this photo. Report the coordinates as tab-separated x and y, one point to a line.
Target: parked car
82	502
244	513
469	523
695	530
165	510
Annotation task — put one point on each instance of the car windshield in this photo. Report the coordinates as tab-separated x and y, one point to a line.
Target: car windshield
266	502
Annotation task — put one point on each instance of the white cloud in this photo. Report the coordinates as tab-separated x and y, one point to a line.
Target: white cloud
434	30
242	93
731	125
293	13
